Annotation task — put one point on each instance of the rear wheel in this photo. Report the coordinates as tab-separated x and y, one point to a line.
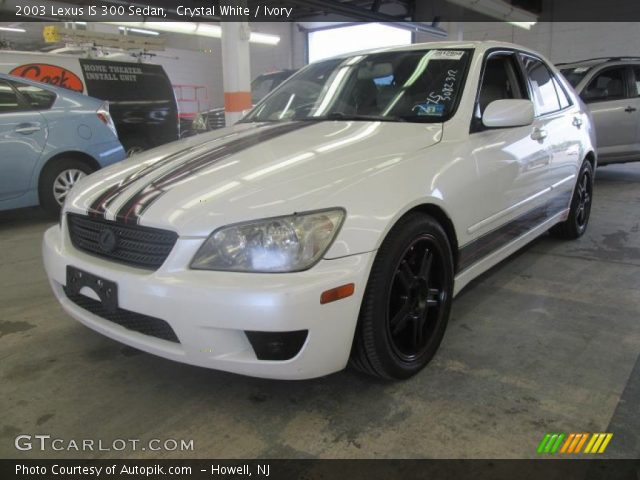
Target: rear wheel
407	300
576	224
57	179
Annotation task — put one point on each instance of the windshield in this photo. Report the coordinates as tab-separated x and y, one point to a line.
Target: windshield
574	75
413	86
263	84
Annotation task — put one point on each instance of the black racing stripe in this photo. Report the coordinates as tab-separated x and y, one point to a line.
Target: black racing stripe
476	250
133	209
103	200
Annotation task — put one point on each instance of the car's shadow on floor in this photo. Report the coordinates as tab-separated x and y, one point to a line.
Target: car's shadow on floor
25	217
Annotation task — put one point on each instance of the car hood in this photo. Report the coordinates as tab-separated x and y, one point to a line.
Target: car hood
246	172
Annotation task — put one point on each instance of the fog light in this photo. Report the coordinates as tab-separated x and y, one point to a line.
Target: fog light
277	345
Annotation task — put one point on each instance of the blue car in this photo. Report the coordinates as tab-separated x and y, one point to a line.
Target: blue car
50	137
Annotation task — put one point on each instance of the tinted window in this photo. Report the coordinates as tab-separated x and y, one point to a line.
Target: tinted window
636	89
8	98
542	88
37	98
500	80
574	75
608	85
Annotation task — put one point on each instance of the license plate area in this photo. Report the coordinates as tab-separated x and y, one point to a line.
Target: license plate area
106	290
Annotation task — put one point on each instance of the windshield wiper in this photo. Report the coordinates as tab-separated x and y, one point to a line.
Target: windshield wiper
355	116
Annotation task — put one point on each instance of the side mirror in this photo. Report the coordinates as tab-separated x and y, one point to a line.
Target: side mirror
508	113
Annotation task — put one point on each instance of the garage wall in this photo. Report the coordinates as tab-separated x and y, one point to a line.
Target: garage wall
190	59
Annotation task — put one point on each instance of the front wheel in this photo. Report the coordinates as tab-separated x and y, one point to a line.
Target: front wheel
407	301
576	224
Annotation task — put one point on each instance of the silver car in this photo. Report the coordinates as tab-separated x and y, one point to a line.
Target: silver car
611	89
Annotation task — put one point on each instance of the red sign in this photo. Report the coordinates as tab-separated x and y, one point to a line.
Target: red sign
45	73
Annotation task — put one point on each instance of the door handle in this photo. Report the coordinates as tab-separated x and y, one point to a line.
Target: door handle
27	128
630	109
577	122
538	134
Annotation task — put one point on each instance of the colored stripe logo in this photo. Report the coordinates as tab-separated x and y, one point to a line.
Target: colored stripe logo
574	443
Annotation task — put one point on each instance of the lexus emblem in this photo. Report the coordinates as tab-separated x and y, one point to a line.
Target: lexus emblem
107	240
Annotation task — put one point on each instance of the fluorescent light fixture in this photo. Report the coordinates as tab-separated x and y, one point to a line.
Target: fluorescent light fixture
207	30
501	10
264	38
193	28
13	29
525	25
138	30
80	23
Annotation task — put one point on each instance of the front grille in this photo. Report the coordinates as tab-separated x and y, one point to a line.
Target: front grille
136	246
216	119
137	322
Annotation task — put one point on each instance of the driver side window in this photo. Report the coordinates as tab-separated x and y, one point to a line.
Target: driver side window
501	79
608	85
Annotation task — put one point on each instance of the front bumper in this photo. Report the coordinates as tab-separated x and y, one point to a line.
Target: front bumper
210	311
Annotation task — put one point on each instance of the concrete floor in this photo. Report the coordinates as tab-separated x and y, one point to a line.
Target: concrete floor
547	341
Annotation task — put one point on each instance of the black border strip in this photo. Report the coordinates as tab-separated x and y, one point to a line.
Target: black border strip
479	248
133	209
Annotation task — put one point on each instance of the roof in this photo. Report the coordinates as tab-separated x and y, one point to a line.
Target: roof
592	62
478	45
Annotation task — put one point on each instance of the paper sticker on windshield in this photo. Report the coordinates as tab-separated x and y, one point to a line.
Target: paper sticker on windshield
446	55
429	109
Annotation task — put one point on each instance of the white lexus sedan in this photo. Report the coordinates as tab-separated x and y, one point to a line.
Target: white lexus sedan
336	222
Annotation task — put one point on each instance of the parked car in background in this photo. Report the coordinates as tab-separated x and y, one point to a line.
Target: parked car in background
260	87
49	139
611	89
337	220
140	95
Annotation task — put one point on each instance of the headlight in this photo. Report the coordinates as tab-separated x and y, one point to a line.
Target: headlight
280	244
199	123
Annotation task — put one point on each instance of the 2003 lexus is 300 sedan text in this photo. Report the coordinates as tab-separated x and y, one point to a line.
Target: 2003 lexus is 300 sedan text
336	222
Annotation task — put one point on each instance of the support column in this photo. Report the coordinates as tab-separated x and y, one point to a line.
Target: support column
236	69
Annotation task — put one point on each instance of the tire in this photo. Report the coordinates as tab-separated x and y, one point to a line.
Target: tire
576	224
133	146
53	177
405	290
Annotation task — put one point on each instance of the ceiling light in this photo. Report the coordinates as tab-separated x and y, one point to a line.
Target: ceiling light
501	10
207	30
195	28
525	25
138	30
13	29
264	38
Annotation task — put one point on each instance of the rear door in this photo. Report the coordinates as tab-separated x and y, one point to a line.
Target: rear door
23	135
554	128
614	114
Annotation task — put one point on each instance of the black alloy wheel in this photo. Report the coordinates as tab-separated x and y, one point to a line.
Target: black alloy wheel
407	301
576	223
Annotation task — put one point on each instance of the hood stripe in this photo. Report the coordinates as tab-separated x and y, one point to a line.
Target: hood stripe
99	206
133	209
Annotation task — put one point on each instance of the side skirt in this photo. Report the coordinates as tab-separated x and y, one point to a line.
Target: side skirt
483	253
